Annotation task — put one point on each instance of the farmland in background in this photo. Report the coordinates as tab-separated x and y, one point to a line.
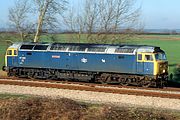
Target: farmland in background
169	43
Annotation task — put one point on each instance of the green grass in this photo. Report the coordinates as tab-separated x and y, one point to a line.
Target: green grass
3	48
9	96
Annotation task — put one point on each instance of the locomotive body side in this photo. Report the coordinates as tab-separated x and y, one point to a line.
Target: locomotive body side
110	63
78	61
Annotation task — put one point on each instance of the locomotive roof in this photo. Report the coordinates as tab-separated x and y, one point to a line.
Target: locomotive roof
109	48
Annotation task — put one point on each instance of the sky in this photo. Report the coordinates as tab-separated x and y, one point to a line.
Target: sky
160	14
155	14
4	6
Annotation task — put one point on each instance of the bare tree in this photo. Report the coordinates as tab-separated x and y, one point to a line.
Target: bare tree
23	12
74	22
113	16
48	11
18	17
107	16
91	13
82	20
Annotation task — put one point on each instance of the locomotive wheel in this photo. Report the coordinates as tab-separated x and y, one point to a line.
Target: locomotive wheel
124	82
104	79
146	83
160	84
9	74
101	79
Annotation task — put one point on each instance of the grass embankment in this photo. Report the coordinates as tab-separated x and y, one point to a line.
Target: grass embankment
3	74
21	107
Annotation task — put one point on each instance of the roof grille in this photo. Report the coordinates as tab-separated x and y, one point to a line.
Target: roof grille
124	50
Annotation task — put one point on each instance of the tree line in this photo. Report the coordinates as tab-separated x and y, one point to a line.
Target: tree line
96	18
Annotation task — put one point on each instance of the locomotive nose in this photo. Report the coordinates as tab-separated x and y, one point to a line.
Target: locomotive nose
163	67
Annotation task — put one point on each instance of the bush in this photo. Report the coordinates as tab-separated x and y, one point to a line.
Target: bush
177	73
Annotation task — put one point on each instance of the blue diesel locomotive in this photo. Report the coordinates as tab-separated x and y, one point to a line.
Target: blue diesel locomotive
105	63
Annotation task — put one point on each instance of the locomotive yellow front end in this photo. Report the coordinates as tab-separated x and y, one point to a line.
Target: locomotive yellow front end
161	67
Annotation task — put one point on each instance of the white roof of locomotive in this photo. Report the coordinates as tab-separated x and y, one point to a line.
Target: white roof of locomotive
109	48
15	45
146	49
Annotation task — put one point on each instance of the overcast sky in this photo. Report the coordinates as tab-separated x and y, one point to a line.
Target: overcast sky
155	14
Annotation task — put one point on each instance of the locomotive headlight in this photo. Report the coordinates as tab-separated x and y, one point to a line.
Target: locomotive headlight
164	71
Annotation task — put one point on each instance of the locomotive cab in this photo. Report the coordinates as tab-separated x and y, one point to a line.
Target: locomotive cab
11	57
152	62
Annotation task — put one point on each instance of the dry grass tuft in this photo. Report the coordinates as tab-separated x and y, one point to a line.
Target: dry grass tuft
65	109
3	74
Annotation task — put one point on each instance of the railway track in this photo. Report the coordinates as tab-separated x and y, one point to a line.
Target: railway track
93	84
130	90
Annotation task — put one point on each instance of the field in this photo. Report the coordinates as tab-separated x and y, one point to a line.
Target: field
169	43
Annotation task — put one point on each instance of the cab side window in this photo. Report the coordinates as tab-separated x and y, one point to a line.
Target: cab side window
15	52
12	52
148	58
139	56
9	52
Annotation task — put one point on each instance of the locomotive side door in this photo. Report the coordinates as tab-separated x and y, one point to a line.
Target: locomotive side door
72	61
140	63
145	63
148	63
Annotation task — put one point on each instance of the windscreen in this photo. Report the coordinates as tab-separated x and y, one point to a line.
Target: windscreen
160	56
